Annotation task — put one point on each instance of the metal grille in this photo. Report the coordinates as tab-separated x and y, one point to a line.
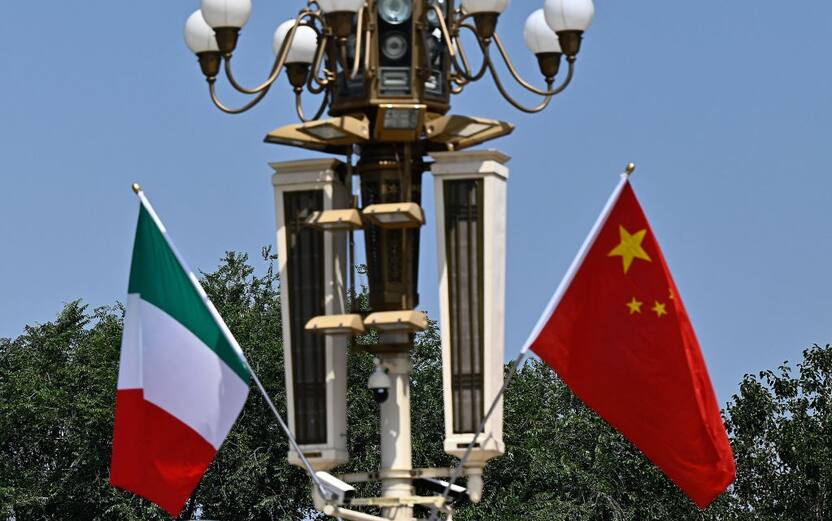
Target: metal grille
393	272
305	268
464	254
395	67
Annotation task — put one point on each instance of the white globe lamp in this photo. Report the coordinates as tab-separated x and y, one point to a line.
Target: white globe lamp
302	48
485	13
484	6
339	15
540	38
227	17
544	43
200	39
303	45
569	19
226	13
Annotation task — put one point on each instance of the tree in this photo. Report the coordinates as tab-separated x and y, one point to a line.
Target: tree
563	462
781	427
57	391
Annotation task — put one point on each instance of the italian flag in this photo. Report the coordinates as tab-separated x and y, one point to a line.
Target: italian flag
183	379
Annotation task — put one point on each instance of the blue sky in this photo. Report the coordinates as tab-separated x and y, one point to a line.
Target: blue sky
725	106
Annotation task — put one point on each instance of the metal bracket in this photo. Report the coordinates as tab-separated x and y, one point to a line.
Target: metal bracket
363	477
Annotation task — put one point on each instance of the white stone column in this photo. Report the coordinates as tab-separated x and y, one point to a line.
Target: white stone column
396	445
487	167
326	176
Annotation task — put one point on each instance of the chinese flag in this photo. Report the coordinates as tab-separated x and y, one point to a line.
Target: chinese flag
618	334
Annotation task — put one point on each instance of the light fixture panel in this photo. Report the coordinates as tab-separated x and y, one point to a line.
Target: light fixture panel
399	122
397	321
401	118
334	135
336	220
326	133
395	215
460	132
337	325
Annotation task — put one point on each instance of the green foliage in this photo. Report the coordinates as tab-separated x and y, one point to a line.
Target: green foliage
58	383
781	428
57	390
565	463
250	479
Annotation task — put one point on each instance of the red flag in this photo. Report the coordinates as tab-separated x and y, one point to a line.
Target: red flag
618	334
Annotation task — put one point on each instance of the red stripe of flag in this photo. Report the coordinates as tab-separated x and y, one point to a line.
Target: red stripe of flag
154	454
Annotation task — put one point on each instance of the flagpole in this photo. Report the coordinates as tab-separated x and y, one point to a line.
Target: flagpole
544	318
137	189
579	258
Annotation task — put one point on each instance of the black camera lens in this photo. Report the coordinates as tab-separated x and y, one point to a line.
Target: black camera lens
381	395
394	46
395	12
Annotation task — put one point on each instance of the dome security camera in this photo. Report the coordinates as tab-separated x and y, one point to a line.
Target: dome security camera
379	384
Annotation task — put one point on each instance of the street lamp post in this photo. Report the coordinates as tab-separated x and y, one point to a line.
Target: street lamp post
384	72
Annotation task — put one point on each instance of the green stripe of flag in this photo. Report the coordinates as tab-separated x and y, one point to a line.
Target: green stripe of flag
158	277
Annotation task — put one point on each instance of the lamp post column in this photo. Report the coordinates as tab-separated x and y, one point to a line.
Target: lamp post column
396	448
392	173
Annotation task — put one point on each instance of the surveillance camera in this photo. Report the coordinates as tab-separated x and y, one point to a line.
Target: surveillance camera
438	486
379	384
339	492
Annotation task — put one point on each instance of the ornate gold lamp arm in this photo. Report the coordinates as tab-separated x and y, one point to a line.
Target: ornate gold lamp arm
273	75
279	62
444	28
462	54
464	72
515	103
570	73
368	41
299	106
484	32
526	85
212	89
316	83
359	35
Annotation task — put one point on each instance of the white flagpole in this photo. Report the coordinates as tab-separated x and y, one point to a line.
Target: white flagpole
579	259
541	323
229	336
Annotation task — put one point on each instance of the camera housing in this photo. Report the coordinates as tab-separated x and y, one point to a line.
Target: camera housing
339	492
379	384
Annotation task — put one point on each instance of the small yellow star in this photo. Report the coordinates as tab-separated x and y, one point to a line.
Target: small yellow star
630	248
635	306
660	309
672	296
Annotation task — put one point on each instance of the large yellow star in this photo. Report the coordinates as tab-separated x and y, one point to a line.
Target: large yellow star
635	306
630	248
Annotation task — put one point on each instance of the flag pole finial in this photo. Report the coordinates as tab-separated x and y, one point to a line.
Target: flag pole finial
631	167
137	188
